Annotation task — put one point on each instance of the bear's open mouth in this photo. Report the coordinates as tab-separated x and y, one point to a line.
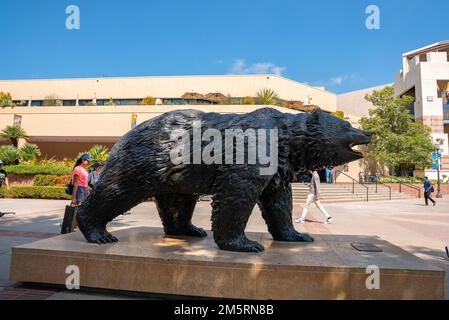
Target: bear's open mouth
356	152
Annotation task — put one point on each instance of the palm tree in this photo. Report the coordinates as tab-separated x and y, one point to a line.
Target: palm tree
267	97
13	134
98	153
29	151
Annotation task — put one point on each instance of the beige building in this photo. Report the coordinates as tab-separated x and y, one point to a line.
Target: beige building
354	103
168	90
84	118
425	76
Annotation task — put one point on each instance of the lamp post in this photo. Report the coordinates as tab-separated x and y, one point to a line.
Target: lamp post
437	146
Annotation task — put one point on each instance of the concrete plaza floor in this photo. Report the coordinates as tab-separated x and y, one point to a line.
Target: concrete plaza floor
409	224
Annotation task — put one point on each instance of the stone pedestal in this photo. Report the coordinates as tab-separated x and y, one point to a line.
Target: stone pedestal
147	261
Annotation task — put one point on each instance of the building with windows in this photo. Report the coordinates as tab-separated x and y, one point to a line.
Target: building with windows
64	116
425	76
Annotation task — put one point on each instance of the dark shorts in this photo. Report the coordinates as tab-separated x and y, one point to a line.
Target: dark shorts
81	194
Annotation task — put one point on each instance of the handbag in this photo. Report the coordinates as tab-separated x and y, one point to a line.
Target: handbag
431	189
69	223
69	188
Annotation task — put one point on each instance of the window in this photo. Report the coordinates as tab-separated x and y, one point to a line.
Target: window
69	103
37	103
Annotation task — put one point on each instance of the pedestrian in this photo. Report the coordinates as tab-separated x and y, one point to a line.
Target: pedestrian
3	176
428	190
80	176
314	195
4	179
94	175
329	175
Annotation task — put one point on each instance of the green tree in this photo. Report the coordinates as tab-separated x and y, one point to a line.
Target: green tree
29	152
398	141
267	97
13	134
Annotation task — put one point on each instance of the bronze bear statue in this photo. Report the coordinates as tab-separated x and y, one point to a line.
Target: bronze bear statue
141	166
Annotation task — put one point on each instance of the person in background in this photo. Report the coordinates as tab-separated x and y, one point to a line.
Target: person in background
314	195
4	179
428	190
94	175
3	176
80	176
329	175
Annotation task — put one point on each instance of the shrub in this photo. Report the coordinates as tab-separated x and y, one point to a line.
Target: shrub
52	100
6	100
29	152
50	180
409	180
110	102
38	169
339	114
267	97
148	101
57	193
249	100
9	154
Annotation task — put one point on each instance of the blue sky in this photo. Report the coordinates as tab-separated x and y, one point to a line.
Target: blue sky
321	42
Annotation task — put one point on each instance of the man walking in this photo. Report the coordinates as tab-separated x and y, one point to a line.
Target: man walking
314	195
428	190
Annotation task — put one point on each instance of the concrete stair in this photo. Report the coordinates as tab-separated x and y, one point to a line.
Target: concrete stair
342	192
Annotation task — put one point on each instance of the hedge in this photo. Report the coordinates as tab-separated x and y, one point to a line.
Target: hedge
41	180
57	193
392	179
38	169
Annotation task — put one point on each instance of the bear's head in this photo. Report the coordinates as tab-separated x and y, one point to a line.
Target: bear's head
325	140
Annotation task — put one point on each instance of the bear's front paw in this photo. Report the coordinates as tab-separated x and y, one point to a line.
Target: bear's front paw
100	236
241	244
293	236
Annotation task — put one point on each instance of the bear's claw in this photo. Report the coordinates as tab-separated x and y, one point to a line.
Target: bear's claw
100	236
196	232
294	236
242	244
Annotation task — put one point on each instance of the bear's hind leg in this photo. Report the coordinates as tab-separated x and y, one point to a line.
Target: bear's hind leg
176	212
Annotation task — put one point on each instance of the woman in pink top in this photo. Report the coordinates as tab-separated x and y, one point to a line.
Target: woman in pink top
80	179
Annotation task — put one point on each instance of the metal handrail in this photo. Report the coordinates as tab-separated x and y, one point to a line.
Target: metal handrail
383	184
410	186
353	183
